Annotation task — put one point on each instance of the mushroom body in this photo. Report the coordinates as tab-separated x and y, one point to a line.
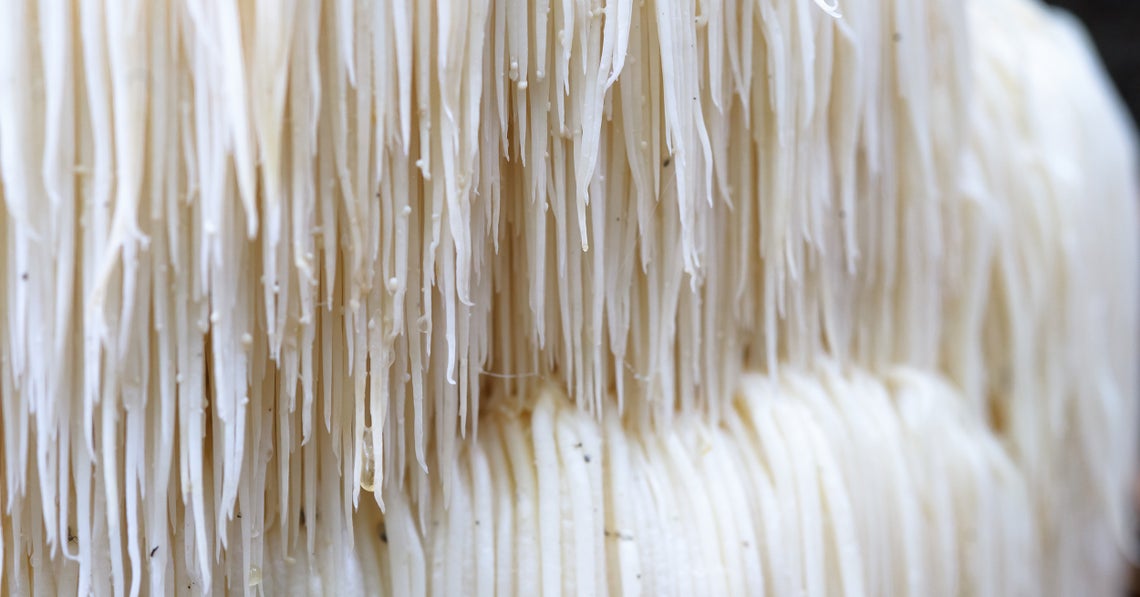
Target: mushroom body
505	297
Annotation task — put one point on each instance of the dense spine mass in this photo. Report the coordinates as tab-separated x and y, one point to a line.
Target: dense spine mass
519	296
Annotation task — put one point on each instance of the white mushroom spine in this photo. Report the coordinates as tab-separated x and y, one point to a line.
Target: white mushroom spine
582	296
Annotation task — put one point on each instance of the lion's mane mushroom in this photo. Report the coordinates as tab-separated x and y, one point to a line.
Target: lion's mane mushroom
563	296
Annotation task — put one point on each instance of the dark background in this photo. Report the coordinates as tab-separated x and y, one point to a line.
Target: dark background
1115	27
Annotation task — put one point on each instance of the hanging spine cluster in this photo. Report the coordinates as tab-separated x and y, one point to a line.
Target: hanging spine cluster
259	257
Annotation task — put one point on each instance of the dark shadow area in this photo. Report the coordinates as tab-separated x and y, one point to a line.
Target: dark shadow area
1115	28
